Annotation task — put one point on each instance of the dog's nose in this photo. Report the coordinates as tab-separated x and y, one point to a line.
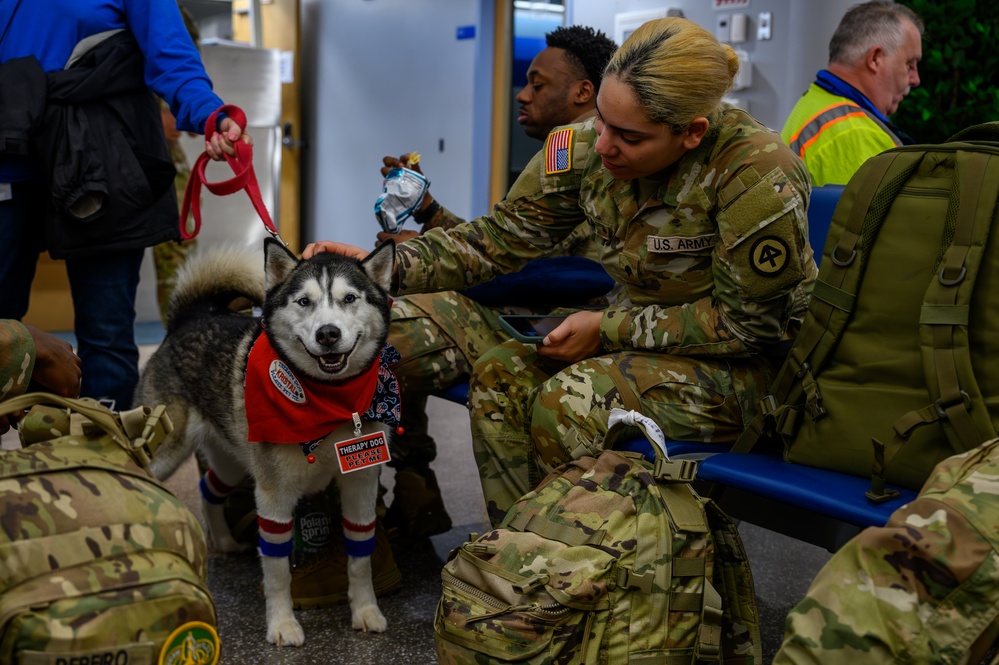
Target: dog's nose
327	335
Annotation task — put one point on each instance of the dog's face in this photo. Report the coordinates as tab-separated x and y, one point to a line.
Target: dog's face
327	317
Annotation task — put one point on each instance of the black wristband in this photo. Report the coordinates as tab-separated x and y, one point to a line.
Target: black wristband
427	214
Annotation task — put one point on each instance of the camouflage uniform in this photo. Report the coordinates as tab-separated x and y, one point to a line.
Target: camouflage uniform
440	336
715	269
17	358
170	256
922	589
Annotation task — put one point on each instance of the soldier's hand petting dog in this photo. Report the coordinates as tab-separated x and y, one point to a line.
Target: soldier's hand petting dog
575	339
343	249
314	248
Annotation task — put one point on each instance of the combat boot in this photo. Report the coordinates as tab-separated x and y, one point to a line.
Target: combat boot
321	580
417	508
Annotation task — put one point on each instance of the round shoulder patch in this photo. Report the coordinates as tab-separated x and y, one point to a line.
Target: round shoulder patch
194	643
769	256
286	382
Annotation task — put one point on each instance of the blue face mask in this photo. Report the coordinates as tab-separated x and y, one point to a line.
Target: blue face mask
402	194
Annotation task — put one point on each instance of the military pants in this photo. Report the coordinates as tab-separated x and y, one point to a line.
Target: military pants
530	414
169	256
922	589
439	336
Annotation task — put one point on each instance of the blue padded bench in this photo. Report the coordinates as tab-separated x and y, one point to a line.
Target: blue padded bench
818	506
546	283
821	206
458	393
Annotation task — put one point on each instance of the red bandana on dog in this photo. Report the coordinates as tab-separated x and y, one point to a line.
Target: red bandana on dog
282	407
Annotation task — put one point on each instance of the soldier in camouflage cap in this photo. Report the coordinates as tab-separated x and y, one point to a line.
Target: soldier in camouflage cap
28	355
922	589
699	212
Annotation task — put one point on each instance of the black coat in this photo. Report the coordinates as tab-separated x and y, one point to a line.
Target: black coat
98	141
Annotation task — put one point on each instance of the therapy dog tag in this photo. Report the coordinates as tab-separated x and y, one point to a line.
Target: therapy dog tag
362	452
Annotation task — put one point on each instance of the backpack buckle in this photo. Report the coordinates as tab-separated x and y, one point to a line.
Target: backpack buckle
951	281
480	548
629	579
530	584
885	494
815	408
675	471
942	407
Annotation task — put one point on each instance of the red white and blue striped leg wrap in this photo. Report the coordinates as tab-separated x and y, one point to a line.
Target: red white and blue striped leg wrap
275	537
213	490
358	539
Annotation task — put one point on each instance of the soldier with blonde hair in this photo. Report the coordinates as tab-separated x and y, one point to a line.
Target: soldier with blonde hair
698	212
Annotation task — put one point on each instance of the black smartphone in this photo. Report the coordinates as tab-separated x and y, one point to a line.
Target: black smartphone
529	328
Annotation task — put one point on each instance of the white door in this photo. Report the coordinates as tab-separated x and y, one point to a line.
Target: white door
385	78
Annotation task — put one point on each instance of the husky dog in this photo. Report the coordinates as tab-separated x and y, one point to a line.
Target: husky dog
322	335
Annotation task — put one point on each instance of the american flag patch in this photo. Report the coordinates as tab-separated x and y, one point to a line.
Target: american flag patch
558	151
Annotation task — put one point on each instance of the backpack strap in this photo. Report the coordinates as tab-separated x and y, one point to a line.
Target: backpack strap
686	512
946	305
795	388
138	431
740	620
987	131
944	320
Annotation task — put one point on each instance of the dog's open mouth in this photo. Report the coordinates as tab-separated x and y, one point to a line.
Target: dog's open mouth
331	363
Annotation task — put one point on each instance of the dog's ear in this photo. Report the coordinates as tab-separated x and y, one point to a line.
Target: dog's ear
278	263
380	264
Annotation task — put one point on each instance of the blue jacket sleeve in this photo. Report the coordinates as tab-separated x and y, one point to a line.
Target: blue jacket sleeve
174	69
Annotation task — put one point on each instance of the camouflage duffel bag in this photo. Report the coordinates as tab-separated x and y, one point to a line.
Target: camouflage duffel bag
611	559
100	562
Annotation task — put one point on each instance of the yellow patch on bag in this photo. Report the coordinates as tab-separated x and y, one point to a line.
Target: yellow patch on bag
195	642
558	151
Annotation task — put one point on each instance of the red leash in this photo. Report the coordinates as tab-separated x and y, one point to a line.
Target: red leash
244	178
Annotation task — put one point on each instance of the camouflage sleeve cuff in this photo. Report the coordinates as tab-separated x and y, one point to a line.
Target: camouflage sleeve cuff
17	358
611	323
693	329
442	219
413	275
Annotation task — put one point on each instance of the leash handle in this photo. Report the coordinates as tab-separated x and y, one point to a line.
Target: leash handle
244	177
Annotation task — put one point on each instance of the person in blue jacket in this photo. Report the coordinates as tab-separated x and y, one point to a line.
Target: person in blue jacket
84	169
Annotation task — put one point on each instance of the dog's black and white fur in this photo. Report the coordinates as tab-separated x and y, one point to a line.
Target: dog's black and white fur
328	319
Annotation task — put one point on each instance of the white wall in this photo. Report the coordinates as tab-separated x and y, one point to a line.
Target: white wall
783	67
386	77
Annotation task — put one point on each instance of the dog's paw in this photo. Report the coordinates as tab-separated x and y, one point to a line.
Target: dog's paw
369	619
286	633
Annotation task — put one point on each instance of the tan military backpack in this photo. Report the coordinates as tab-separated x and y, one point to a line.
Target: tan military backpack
611	560
100	562
894	367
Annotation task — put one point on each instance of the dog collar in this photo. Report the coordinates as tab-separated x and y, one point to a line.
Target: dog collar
283	407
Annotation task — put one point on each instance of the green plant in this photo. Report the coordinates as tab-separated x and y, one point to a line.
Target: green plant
959	72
